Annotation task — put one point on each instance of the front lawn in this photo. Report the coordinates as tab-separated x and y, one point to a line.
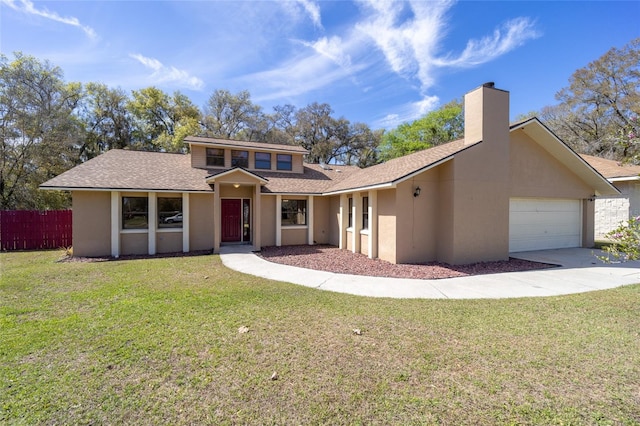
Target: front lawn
157	341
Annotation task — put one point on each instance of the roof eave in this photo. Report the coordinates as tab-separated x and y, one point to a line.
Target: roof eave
114	189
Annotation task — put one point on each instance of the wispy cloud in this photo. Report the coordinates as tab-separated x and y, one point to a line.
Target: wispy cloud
298	76
168	75
511	35
333	49
313	10
28	7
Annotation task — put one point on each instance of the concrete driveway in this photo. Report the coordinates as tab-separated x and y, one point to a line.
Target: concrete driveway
578	271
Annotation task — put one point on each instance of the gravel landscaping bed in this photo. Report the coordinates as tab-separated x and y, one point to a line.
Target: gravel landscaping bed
332	259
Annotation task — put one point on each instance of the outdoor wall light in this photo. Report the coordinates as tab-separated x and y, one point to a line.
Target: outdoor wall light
236	185
416	192
592	198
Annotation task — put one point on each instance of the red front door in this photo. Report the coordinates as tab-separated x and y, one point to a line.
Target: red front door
231	216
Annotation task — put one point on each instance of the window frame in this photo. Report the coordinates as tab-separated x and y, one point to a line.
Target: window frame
350	213
162	224
244	158
365	213
291	212
134	213
214	160
282	164
257	162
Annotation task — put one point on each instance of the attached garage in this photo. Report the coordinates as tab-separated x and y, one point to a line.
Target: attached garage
542	223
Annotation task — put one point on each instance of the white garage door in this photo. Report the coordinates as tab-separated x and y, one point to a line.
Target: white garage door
539	224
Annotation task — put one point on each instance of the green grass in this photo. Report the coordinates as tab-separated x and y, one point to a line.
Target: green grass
156	342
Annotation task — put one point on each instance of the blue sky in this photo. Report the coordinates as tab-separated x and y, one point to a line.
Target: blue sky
375	62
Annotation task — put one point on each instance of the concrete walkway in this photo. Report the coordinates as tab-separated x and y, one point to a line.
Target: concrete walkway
580	271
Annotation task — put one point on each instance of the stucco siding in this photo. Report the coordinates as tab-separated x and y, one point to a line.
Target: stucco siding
268	217
417	219
294	236
201	222
536	173
168	242
91	223
386	225
334	221
134	243
364	244
321	218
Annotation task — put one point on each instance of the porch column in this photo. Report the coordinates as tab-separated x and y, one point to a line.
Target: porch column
216	217
343	221
357	222
373	224
152	222
257	198
310	221
278	220
115	223
185	222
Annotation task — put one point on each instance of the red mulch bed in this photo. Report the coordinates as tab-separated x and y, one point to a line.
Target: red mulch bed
332	259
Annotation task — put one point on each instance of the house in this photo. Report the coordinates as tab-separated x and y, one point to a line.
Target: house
498	190
611	211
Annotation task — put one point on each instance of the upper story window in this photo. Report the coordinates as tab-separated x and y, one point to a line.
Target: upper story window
215	157
239	158
284	162
365	212
135	212
169	212
263	160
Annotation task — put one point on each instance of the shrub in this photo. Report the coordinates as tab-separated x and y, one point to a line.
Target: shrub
625	242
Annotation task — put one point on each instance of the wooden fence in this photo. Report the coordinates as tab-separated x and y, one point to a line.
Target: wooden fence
35	230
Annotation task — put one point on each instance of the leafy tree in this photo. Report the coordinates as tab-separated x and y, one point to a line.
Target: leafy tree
598	112
161	121
39	134
229	116
437	127
106	118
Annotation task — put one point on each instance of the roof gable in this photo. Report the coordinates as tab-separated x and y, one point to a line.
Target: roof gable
238	174
544	137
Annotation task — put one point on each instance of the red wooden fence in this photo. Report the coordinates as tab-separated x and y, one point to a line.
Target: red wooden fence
34	230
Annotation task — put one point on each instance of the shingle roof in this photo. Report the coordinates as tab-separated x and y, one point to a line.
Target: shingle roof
133	170
315	179
137	170
612	169
394	170
246	144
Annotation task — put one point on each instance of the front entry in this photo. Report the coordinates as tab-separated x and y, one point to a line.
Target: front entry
236	220
231	220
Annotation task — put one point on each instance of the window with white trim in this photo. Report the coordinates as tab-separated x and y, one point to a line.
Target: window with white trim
135	213
294	212
365	212
169	212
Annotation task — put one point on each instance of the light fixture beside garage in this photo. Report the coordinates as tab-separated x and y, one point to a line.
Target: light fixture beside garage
416	191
